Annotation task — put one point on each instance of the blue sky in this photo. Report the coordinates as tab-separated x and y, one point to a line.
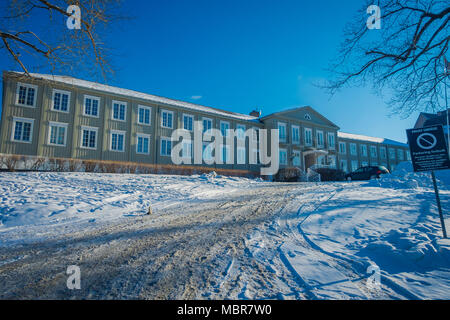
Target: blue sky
239	55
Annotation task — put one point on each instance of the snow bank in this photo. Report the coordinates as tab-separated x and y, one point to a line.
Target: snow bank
404	177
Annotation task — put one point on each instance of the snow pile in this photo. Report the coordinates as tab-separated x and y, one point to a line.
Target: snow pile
404	177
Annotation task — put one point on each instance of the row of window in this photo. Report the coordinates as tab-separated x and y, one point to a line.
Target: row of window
355	165
26	96
308	136
374	151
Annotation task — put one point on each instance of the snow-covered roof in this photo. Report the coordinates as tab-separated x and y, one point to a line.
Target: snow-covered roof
135	94
359	137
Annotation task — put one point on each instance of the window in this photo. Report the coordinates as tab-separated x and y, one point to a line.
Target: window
241	155
364	164
400	155
61	100
331	140
295	135
166	147
392	153
226	155
166	119
282	131
283	157
26	95
320	142
383	152
343	165
308	137
363	150
224	127
353	149
188	122
354	165
207	124
342	148
296	160
255	156
143	143
373	151
408	156
307	116
186	150
57	134
89	137
207	151
22	130
91	106
332	161
119	110
144	115
240	131
117	141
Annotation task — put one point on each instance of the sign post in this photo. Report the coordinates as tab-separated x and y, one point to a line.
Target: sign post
429	153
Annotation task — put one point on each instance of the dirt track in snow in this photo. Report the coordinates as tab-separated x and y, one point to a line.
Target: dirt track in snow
185	256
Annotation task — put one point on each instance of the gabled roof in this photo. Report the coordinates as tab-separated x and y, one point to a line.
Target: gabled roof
308	108
135	94
359	137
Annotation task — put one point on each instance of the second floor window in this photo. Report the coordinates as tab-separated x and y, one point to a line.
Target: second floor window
282	131
320	139
207	124
342	148
240	131
91	106
295	134
353	150
400	154
188	122
383	153
391	153
144	115
119	110
308	137
331	140
26	95
363	150
373	151
166	119
60	100
224	127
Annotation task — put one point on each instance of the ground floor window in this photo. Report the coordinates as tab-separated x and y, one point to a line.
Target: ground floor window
89	137
354	165
117	141
283	157
343	165
296	160
143	144
166	147
57	134
22	130
241	155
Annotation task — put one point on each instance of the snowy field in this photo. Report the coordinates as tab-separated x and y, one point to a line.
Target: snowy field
213	237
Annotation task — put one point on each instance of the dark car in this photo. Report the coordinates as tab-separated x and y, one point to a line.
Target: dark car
366	173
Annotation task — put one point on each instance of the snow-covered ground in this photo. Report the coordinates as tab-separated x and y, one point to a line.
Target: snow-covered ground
237	238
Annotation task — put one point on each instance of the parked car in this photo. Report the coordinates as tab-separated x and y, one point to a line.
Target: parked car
367	173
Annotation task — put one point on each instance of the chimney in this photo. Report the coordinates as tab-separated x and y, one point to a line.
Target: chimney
255	113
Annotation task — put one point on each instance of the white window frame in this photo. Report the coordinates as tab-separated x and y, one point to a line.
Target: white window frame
209	120
86	96
58	125
297	154
344	149
187	116
310	143
118	132
28	86
162	118
363	147
144	136
18	119
295	128
190	152
149	115
96	137
240	135
241	151
160	146
331	134
392	153
353	149
125	112
318	133
372	154
283	163
68	100
282	125
220	127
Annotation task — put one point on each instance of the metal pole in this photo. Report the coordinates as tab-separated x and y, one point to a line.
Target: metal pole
438	200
